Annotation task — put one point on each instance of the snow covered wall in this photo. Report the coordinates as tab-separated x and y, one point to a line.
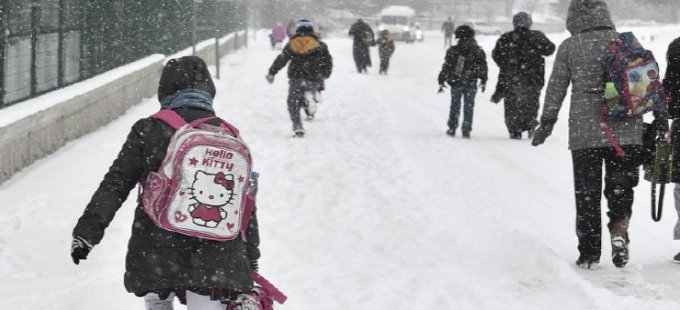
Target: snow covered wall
38	127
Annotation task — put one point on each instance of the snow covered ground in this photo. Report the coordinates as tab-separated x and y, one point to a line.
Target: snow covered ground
376	208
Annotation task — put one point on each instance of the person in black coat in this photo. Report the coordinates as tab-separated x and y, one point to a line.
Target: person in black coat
520	55
464	64
363	38
671	85
160	263
448	28
310	64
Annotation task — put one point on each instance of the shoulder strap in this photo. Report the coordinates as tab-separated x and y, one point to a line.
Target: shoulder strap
274	292
174	120
170	117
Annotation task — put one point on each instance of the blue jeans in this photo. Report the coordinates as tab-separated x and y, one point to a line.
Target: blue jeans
467	93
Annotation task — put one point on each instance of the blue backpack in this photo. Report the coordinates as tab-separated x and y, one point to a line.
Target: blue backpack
633	83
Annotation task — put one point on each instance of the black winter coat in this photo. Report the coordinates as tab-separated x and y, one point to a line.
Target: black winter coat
671	84
473	67
519	54
158	259
309	58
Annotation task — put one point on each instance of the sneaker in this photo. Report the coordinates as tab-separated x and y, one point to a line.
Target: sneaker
676	258
587	262
619	251
451	132
466	134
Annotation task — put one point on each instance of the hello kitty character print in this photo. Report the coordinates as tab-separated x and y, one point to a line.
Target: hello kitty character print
212	193
202	187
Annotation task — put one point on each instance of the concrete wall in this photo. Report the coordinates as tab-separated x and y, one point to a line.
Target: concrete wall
40	134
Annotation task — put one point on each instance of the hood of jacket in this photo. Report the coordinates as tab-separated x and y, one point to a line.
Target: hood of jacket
188	72
303	44
588	14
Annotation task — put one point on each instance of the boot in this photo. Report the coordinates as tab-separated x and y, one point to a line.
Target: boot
676	258
587	262
466	134
620	241
619	251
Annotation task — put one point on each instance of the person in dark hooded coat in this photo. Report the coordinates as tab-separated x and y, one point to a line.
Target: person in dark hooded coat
160	263
580	61
363	38
519	54
310	64
671	84
464	64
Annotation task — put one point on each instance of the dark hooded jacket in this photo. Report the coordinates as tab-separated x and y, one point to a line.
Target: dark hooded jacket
671	84
519	54
309	58
158	260
580	61
473	67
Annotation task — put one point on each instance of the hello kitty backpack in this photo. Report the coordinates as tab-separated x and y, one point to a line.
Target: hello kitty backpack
202	186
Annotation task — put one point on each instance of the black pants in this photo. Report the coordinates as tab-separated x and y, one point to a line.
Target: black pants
296	98
384	63
621	176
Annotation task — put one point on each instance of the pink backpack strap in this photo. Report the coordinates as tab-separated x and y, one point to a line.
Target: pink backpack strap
170	117
610	133
176	121
223	124
274	292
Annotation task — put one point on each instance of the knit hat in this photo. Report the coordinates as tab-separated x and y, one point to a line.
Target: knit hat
188	72
522	20
464	32
304	25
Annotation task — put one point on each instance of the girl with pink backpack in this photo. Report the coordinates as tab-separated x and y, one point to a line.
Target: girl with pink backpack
203	273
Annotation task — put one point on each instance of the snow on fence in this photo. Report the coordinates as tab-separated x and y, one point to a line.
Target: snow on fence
38	127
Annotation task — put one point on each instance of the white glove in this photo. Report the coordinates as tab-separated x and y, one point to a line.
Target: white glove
270	78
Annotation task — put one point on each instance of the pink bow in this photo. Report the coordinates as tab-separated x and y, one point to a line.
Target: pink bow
221	180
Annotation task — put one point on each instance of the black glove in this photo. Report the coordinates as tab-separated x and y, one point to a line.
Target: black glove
441	88
80	248
254	265
482	86
543	132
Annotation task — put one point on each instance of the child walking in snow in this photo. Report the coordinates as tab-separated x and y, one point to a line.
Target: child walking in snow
464	64
385	49
161	264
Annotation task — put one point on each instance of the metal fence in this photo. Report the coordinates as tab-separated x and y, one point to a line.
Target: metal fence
47	44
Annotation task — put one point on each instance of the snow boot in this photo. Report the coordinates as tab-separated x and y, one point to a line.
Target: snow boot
466	134
619	251
451	132
516	135
619	239
676	258
587	262
298	132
